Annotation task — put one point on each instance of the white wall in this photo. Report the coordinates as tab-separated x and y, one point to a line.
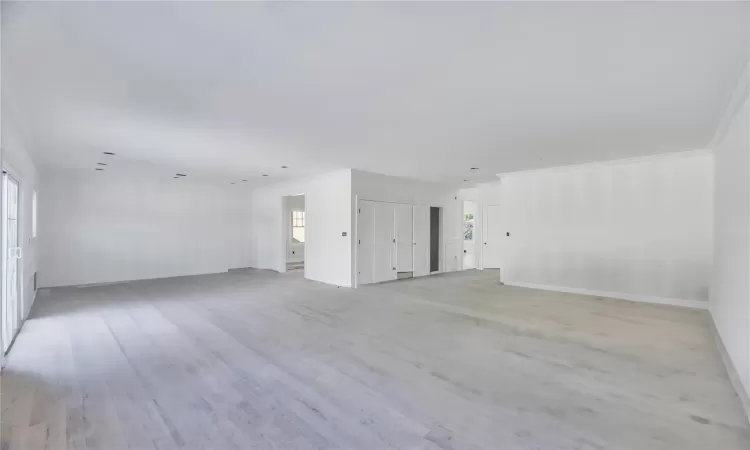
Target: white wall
327	216
639	229
730	296
100	227
295	251
16	157
384	188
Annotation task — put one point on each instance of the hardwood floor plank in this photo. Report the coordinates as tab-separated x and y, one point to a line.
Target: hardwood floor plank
257	360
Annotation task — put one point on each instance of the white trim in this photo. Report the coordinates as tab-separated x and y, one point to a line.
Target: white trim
613	162
355	242
618	295
734	377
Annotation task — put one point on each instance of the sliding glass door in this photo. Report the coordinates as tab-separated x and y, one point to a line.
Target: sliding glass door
11	302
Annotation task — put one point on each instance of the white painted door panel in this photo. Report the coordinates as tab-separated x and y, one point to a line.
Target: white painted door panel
366	240
421	240
384	263
469	261
493	237
404	238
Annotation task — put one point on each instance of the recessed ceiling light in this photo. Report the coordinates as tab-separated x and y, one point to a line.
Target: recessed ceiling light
176	177
180	174
98	168
102	164
232	183
284	167
466	180
474	169
108	153
265	174
244	181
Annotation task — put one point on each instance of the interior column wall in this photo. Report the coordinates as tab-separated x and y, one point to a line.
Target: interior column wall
328	226
730	296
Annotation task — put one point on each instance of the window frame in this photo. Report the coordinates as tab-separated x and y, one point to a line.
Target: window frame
473	221
298	219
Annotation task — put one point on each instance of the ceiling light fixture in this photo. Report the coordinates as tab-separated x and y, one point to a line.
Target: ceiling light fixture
102	164
244	181
474	169
265	174
180	174
108	153
284	167
98	168
232	183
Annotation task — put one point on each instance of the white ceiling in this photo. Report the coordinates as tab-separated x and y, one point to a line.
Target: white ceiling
232	90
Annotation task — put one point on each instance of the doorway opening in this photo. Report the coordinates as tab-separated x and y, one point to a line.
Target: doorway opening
469	236
295	223
435	239
11	294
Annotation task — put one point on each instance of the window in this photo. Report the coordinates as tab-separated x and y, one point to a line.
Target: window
33	214
468	227
298	227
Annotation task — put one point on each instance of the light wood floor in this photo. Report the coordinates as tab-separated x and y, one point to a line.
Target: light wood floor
257	360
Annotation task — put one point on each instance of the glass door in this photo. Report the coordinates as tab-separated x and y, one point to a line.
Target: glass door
12	252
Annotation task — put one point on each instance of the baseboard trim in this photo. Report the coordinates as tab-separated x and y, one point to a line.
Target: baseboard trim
734	377
107	283
619	295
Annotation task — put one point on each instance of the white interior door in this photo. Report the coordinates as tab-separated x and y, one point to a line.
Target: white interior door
421	236
384	242
404	238
493	237
469	259
11	300
366	241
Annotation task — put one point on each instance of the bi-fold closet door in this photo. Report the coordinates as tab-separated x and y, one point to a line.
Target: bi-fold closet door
392	238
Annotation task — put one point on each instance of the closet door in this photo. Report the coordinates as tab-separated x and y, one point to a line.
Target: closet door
421	240
366	241
384	262
493	237
404	238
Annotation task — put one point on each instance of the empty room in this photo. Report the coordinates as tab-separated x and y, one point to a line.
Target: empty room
375	225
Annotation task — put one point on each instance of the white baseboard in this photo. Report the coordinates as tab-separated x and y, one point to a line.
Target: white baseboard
632	297
734	377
